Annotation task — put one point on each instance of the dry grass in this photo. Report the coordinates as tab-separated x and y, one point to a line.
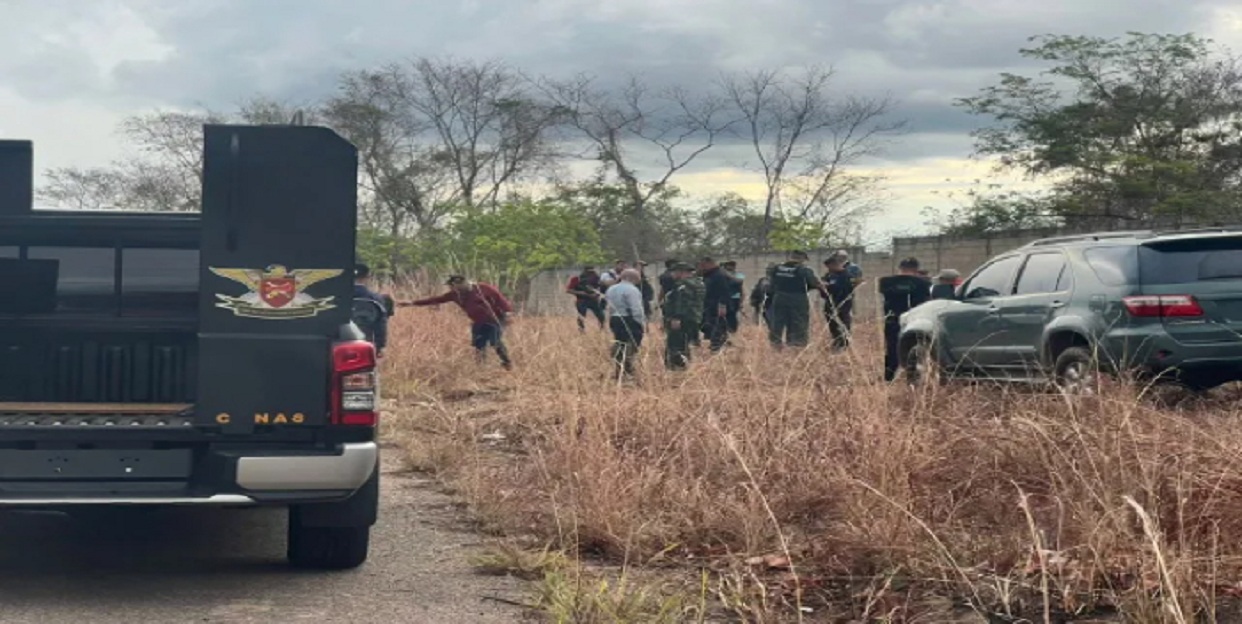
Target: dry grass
807	488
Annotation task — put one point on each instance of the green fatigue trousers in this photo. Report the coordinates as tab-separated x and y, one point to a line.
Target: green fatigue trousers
791	320
677	344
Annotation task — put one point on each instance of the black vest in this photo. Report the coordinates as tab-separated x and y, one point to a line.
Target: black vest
789	279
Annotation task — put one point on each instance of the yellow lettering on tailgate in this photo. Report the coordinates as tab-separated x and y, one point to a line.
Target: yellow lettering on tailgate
280	418
223	418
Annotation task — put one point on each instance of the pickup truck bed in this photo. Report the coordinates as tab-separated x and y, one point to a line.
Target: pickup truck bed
206	359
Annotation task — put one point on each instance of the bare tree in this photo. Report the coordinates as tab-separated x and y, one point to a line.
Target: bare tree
167	175
96	188
490	130
405	186
678	125
804	137
263	110
171	173
841	208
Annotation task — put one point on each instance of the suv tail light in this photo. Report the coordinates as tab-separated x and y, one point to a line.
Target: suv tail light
355	386
1163	306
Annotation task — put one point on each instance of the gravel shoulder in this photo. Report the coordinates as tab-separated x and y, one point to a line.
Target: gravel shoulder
207	565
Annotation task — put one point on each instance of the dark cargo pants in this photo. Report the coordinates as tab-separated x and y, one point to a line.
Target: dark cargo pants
791	320
892	360
627	335
716	330
840	323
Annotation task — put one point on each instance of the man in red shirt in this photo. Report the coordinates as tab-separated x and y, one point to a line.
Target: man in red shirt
487	309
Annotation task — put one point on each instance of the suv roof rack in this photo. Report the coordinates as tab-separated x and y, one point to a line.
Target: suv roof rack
1201	230
1078	238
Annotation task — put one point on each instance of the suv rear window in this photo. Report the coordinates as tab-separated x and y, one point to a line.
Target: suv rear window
1114	266
1189	261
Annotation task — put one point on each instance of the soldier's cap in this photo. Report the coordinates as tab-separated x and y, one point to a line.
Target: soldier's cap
683	266
455	279
948	274
798	253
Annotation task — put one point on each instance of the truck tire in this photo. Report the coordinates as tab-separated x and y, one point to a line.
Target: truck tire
334	536
327	548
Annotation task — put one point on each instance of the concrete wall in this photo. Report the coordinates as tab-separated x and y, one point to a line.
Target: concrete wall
934	253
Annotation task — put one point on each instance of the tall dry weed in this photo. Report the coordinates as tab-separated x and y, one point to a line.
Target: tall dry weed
1009	500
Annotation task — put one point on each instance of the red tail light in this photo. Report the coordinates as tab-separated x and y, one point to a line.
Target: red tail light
1163	306
355	386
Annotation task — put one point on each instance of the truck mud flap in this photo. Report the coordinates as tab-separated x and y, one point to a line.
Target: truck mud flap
277	257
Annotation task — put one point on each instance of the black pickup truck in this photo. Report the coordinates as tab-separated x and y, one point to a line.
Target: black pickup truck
195	359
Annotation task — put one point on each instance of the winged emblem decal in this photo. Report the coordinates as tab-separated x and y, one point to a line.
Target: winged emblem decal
276	292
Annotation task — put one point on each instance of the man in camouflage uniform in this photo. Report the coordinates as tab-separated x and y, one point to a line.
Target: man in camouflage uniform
683	310
699	289
789	282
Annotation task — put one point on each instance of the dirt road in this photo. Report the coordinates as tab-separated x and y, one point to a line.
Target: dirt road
184	565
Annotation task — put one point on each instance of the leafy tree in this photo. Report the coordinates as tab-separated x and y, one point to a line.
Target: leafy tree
609	208
991	212
1131	131
517	240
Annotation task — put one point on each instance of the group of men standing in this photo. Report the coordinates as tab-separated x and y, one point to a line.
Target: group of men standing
704	301
695	302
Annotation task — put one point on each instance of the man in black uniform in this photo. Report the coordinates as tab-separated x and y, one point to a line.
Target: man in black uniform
735	299
902	293
761	301
372	319
588	296
718	286
838	301
666	281
791	310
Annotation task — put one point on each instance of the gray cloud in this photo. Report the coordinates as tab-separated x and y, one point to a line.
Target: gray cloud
923	52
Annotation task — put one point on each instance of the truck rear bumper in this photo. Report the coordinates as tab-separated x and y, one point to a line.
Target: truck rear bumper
347	471
229	478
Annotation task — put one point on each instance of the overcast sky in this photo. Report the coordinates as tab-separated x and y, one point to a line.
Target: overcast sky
71	69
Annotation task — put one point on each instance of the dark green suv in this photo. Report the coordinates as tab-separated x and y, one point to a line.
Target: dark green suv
1166	306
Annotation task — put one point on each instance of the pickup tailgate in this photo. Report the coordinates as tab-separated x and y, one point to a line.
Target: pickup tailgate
277	257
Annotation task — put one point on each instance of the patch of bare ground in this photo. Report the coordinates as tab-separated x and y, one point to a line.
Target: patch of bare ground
796	486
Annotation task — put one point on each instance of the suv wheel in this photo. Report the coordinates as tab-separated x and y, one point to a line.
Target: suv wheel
1075	371
921	367
327	548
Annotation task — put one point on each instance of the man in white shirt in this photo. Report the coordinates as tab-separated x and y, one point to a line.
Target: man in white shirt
626	319
613	275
